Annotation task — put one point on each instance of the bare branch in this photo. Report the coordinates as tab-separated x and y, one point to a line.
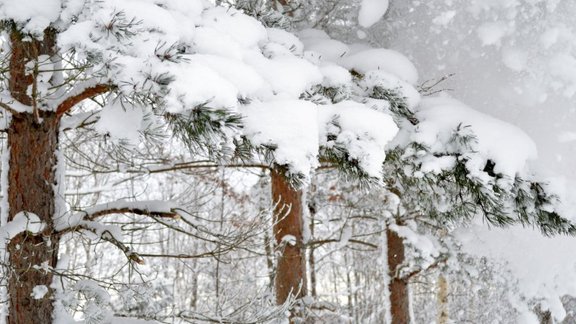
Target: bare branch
8	108
314	244
137	211
407	276
86	93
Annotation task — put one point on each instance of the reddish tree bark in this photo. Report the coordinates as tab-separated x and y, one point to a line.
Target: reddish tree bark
290	277
399	293
31	179
32	142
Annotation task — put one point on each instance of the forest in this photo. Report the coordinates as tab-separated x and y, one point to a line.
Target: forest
287	161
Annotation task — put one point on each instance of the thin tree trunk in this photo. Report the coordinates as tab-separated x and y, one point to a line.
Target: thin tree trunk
311	256
263	206
269	258
399	293
349	286
442	296
357	283
290	277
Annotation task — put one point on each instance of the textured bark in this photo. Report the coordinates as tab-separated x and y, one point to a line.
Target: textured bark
32	141
443	315
31	179
399	293
291	264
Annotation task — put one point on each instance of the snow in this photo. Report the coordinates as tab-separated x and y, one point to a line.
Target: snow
387	80
35	15
515	59
382	59
492	33
318	42
371	11
14	104
288	76
22	222
335	76
289	125
189	53
224	57
363	131
544	267
563	66
38	292
505	144
345	236
567	137
328	49
288	239
197	84
536	38
444	18
553	35
59	185
308	36
120	122
243	29
92	289
208	40
75	219
286	39
426	246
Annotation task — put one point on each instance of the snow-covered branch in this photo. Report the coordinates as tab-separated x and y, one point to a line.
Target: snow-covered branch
22	222
11	105
153	208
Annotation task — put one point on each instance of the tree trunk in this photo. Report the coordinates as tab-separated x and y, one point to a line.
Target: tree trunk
442	296
399	293
311	256
32	142
349	287
31	178
290	277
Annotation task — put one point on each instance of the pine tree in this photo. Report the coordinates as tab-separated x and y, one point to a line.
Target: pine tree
50	68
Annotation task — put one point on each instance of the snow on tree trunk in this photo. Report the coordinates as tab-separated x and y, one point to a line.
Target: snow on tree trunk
33	142
290	277
399	293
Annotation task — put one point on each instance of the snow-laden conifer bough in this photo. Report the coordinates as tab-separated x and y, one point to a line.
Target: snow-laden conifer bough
233	88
